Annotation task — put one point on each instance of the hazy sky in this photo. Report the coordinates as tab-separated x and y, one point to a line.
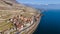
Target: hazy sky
40	1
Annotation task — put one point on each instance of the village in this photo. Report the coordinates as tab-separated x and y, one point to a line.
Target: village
21	22
17	22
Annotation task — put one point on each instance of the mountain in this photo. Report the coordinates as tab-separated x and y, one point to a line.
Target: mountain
16	18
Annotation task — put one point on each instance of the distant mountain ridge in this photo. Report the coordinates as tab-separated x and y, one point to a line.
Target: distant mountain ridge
49	6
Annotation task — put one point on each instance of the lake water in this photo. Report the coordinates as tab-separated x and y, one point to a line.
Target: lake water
50	23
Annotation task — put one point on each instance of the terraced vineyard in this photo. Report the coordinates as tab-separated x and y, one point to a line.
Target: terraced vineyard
15	17
4	23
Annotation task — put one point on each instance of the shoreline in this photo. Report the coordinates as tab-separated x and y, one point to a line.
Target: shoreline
31	28
35	26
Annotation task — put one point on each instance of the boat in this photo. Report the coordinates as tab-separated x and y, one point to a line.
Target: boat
16	18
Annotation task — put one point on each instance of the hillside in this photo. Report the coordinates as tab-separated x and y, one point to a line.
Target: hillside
10	9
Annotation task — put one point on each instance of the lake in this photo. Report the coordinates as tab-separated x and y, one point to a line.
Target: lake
50	23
